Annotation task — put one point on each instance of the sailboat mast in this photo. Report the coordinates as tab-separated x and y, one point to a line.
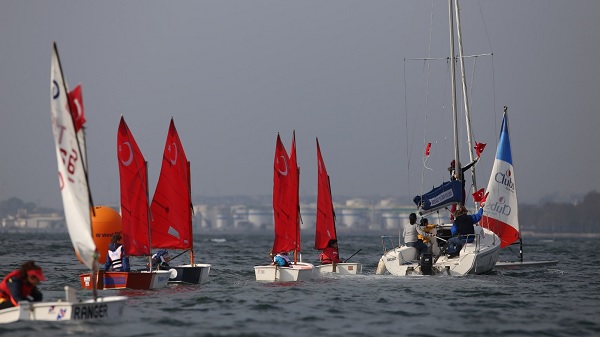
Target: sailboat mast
149	218
298	248
465	95
84	163
191	210
457	165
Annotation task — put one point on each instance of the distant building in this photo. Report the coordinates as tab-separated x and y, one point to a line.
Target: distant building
26	222
353	214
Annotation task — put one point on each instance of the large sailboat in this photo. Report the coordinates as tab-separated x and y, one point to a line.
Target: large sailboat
286	209
76	197
325	230
500	214
171	209
476	257
135	216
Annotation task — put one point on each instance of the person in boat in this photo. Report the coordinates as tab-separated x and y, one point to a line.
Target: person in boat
116	260
410	235
330	254
454	176
425	227
21	285
462	229
282	260
160	260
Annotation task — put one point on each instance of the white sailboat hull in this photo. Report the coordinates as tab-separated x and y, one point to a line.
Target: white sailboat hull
110	307
478	257
299	272
347	268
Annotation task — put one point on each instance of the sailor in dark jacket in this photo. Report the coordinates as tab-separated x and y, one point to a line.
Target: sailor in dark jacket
462	229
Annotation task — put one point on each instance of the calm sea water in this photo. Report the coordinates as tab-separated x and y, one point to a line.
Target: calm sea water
562	300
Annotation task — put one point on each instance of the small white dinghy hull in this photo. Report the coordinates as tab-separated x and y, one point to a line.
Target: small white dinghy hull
110	307
188	274
299	272
346	268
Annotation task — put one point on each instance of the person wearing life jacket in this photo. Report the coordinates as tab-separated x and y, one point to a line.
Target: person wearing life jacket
462	229
282	260
426	227
21	285
160	259
330	254
116	259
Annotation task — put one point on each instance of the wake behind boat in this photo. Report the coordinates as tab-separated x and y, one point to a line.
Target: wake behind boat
172	211
325	229
286	209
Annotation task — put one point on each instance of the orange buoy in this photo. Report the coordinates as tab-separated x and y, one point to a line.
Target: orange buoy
105	222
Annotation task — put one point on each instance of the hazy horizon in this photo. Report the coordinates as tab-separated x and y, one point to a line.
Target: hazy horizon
235	73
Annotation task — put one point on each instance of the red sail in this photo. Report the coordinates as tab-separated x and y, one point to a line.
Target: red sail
284	208
134	195
295	192
325	226
171	205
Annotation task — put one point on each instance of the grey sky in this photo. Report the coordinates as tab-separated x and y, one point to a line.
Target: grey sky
234	73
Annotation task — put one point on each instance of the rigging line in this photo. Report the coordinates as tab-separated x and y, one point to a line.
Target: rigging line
494	99
487	35
407	175
445	58
471	88
428	59
427	72
427	77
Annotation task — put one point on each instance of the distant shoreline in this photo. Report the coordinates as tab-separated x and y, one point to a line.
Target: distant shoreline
350	232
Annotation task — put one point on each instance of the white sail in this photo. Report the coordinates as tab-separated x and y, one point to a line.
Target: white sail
71	171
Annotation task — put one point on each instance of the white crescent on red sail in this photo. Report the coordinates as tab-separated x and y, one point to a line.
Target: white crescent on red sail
171	205
285	200
133	179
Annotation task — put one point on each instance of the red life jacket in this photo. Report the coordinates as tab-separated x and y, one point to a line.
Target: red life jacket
329	255
26	287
